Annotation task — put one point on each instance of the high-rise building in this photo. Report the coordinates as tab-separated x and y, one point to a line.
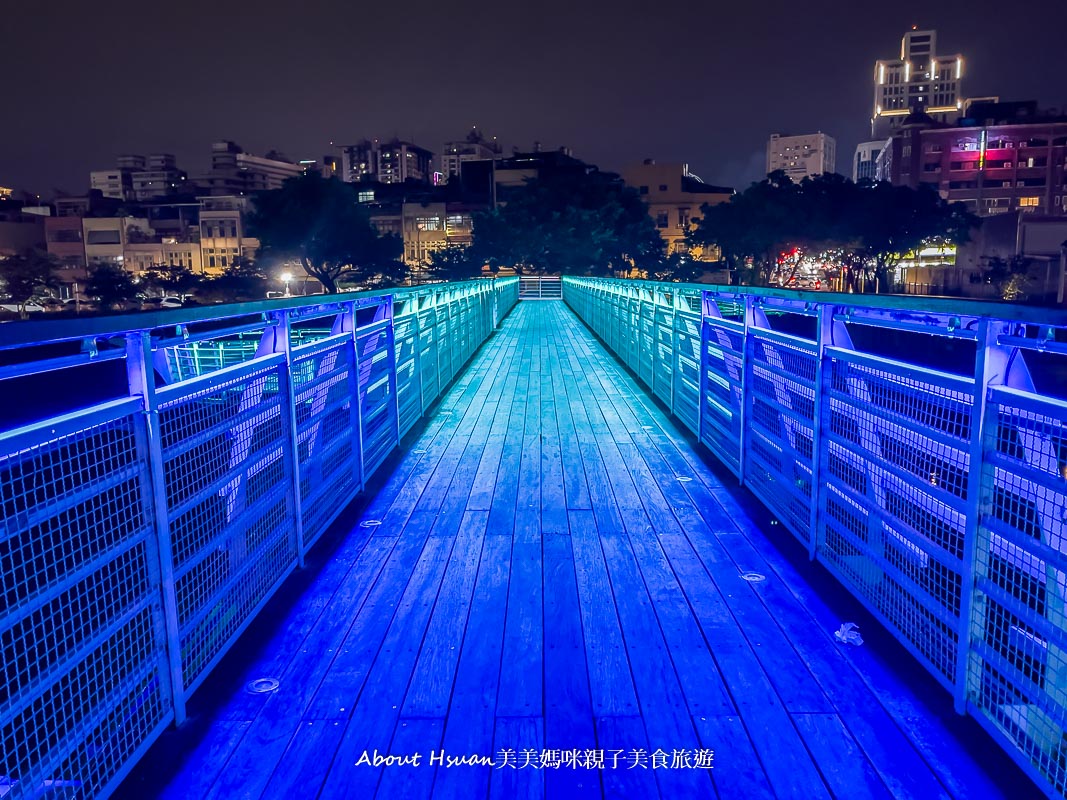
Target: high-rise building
865	162
920	80
801	157
385	162
474	148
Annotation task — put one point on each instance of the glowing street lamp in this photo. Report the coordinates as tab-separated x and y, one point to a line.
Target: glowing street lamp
286	277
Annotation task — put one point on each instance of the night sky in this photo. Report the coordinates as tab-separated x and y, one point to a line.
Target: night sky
701	82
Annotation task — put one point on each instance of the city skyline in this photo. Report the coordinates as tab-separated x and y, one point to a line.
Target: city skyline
634	85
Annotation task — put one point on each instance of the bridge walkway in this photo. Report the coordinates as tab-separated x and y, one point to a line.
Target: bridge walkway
549	565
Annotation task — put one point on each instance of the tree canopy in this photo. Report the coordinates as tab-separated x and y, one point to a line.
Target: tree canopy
111	285
25	274
318	223
591	224
869	225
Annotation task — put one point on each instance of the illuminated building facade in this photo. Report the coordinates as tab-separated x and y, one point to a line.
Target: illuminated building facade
1001	157
921	79
674	196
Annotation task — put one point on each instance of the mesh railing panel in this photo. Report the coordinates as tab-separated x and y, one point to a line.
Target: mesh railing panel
721	402
81	624
229	499
780	413
662	376
408	377
685	393
327	439
377	407
1017	673
896	456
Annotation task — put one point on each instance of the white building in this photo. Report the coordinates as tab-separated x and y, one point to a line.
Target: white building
474	148
920	79
801	156
235	172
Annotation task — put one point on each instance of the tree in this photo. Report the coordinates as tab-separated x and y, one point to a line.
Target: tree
454	263
171	279
892	221
868	226
241	281
111	286
25	274
579	224
318	223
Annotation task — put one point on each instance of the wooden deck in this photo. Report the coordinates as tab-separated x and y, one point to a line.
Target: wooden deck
550	566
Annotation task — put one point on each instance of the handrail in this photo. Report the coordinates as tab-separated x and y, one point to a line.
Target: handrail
938	499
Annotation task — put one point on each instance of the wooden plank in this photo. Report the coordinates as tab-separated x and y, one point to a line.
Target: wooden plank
843	764
660	697
410	781
521	691
434	672
244	775
574	483
619	737
568	712
611	683
737	770
796	685
377	710
339	687
553	494
517	734
302	769
471	714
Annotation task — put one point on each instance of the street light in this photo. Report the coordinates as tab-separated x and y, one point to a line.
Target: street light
286	276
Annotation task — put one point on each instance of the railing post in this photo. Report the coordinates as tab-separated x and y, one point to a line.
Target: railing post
390	343
824	334
142	384
280	341
346	323
990	368
746	372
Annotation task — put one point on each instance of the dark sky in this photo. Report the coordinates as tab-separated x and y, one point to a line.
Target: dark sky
703	82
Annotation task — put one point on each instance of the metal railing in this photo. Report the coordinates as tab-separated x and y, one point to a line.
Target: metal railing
139	536
936	492
540	288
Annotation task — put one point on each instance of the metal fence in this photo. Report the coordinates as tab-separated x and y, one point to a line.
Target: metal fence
917	448
540	288
140	536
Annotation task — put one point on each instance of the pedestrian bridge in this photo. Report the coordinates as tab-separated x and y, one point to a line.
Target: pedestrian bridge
361	546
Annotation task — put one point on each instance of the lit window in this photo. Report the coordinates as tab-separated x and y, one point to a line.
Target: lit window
1029	202
428	223
366	195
